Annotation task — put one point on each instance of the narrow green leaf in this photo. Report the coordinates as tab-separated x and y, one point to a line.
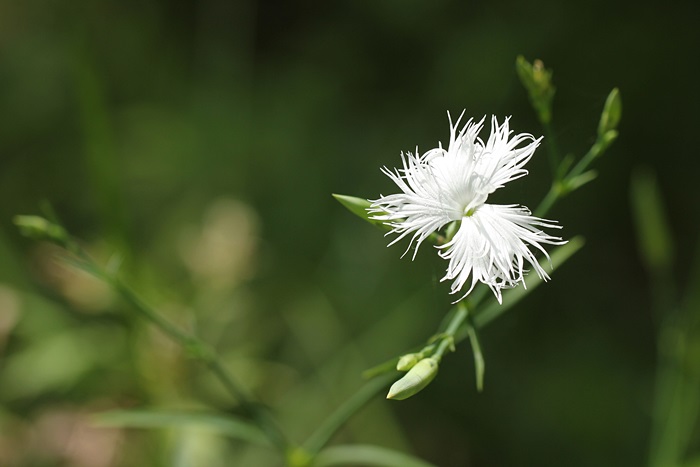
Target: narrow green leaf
566	163
227	426
654	236
479	363
359	206
363	454
578	181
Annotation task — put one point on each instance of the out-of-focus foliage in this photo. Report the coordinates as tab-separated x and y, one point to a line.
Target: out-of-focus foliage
201	142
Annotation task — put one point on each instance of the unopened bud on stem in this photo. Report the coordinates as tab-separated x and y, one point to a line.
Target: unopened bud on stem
408	361
415	380
40	229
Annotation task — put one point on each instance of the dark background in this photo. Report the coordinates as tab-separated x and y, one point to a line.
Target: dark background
171	130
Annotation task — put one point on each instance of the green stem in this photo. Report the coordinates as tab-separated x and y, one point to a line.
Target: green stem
560	187
667	444
333	423
595	151
479	363
482	316
552	146
601	145
338	418
196	348
382	368
447	341
548	201
674	410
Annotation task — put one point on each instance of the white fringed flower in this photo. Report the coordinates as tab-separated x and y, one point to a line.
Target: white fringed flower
492	243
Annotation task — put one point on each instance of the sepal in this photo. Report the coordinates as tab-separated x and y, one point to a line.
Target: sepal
359	207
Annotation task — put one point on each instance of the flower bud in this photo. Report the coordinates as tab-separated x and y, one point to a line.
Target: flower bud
40	229
612	112
408	361
415	380
538	82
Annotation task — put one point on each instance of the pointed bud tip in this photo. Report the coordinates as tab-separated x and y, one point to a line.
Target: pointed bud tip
360	207
612	113
415	380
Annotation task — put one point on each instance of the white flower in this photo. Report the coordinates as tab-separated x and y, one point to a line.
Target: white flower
492	243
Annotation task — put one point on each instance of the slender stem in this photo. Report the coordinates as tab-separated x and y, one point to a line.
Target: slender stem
493	310
448	339
385	375
333	423
667	442
137	304
552	146
560	187
548	201
382	368
479	363
338	418
197	349
477	296
595	151
674	407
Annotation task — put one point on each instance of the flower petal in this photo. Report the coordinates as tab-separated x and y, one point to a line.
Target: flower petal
493	245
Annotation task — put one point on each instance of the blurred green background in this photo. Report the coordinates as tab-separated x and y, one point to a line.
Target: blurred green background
202	140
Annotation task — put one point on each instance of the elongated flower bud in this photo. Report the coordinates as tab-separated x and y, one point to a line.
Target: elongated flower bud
408	361
612	112
40	229
415	380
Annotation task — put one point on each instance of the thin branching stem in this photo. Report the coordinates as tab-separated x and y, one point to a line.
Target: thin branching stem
196	348
338	418
447	340
548	201
552	146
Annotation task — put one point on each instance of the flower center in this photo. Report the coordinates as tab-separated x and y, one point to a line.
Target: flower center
473	205
468	212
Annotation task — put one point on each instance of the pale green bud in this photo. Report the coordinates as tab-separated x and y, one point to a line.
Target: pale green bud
612	112
408	361
538	82
415	380
41	229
